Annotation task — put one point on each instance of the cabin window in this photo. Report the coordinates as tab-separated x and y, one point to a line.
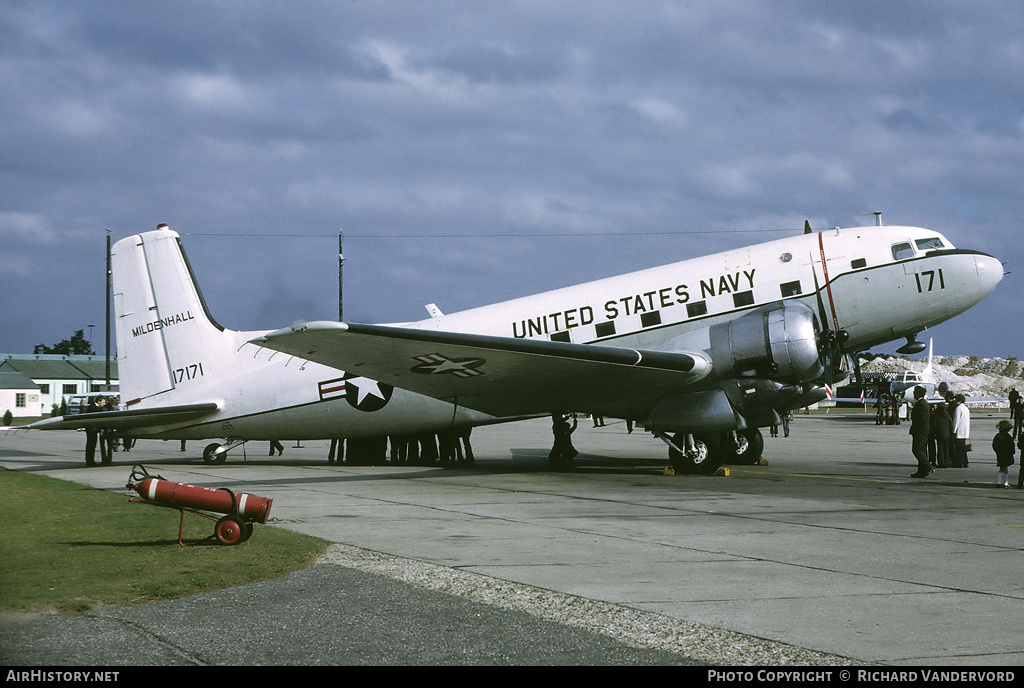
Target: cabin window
650	319
743	298
902	251
605	329
790	289
859	263
696	308
929	244
562	336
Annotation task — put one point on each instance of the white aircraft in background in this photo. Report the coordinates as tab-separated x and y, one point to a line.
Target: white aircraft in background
701	352
903	385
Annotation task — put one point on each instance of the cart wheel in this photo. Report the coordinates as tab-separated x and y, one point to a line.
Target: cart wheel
247	533
230	530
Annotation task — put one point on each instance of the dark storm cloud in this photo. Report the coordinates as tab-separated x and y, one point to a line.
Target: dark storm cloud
516	118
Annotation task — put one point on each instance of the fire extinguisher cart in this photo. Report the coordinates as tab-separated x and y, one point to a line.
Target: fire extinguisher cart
234	512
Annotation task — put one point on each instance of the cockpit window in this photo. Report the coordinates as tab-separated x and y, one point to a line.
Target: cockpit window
902	251
929	244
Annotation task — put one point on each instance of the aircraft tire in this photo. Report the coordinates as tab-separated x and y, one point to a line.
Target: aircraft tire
710	455
753	451
230	530
210	455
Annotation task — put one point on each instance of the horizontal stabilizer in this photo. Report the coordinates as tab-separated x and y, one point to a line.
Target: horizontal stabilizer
501	376
125	420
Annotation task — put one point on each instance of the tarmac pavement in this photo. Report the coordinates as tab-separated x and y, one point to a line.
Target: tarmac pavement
829	554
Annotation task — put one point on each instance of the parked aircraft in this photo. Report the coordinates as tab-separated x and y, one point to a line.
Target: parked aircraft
701	352
903	385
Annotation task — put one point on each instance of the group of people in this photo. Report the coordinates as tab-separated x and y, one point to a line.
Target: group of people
449	447
941	433
106	440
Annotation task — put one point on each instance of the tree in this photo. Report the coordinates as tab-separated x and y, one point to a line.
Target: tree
77	345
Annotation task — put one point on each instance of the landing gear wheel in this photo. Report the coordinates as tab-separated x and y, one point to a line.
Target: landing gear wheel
230	530
706	458
752	442
210	455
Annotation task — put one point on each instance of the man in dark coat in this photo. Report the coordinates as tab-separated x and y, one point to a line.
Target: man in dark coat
98	405
920	424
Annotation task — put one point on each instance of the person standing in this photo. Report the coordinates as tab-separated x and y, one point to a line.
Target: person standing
920	424
274	444
1016	412
942	428
1020	473
562	452
97	405
1002	445
961	431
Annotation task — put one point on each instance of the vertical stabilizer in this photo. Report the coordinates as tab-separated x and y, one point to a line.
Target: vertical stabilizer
164	331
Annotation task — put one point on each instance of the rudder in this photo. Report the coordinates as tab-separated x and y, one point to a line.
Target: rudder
164	331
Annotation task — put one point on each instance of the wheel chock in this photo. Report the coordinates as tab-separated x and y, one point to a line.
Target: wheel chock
762	461
669	471
723	471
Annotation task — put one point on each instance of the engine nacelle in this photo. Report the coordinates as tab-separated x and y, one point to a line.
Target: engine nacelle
779	341
762	362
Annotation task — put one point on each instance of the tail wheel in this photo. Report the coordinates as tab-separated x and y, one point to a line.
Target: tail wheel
231	530
706	457
752	446
210	454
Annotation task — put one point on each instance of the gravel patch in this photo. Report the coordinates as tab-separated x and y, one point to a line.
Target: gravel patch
633	627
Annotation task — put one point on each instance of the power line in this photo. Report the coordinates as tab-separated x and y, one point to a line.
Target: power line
490	236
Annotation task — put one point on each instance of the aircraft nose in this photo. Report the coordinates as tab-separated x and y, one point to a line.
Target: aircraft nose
990	272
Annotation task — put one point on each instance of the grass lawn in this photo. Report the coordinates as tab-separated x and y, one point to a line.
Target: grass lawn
68	547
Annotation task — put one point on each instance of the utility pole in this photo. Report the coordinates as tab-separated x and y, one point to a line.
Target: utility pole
108	310
341	264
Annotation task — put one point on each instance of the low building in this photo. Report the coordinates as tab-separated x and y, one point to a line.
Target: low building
19	395
60	376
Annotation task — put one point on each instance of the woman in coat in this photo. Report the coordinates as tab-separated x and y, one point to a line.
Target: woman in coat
961	431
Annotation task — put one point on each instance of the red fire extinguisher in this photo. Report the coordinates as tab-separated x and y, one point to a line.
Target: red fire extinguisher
241	509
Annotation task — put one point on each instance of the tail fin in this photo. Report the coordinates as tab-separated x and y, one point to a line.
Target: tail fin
164	332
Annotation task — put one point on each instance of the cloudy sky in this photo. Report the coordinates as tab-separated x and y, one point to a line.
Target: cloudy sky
478	151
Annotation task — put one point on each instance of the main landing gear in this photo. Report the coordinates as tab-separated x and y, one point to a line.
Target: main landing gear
704	454
745	447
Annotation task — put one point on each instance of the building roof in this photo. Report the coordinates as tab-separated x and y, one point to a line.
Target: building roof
15	380
58	367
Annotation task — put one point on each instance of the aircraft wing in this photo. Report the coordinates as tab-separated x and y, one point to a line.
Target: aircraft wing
500	376
124	420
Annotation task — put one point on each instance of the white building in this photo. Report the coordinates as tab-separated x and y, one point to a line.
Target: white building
61	376
19	395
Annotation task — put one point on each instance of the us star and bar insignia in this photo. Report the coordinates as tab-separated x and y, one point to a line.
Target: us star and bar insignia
433	364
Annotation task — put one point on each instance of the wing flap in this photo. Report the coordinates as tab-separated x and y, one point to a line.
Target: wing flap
500	376
125	420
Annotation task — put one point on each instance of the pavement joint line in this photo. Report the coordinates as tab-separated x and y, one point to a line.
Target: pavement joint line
634	627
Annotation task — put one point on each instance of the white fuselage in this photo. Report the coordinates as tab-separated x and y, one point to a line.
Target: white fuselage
864	289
